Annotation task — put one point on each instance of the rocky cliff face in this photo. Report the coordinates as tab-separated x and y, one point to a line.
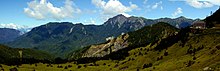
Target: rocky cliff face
112	45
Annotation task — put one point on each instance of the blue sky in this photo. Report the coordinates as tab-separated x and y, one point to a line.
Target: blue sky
37	12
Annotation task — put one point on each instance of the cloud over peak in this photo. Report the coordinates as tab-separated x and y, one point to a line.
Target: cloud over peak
177	12
113	7
45	10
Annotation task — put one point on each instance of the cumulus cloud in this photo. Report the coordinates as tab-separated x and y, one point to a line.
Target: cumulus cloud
156	5
45	10
177	12
113	7
199	4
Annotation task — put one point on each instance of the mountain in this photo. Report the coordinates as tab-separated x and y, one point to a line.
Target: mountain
10	56
61	38
213	20
131	40
154	48
57	37
8	35
177	21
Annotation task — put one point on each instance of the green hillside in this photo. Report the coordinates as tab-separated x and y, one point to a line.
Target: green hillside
11	56
200	52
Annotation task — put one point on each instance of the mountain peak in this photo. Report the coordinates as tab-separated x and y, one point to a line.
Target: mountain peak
120	15
116	20
181	17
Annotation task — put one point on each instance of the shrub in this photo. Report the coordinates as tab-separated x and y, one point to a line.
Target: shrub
59	66
90	64
47	65
84	66
79	66
65	67
147	65
165	53
194	58
69	66
159	58
13	69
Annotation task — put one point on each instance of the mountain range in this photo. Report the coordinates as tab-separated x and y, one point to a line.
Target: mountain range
8	35
131	40
67	37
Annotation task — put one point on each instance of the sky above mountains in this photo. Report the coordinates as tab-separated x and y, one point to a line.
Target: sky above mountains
17	13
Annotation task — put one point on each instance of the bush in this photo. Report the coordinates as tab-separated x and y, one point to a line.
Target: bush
104	64
166	53
84	66
147	65
65	67
59	66
79	66
69	66
194	58
14	69
159	58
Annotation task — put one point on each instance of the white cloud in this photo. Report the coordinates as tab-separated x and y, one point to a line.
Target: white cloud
12	26
91	21
215	2
199	4
113	7
45	10
177	12
156	5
